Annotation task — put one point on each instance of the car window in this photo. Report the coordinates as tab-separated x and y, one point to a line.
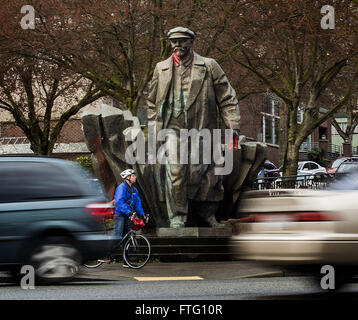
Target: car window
96	187
93	185
36	181
299	167
313	166
306	166
269	166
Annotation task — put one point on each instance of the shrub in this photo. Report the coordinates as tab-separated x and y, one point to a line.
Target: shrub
316	155
85	162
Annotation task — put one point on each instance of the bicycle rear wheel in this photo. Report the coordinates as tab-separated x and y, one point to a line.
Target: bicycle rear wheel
136	251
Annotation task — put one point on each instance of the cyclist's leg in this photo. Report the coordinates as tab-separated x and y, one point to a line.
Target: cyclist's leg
127	227
118	229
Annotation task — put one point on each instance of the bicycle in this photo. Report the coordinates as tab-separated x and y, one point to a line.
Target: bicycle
136	247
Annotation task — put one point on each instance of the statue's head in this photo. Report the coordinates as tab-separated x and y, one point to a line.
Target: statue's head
181	40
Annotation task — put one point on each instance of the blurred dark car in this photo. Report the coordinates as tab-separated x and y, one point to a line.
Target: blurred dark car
269	170
336	163
49	211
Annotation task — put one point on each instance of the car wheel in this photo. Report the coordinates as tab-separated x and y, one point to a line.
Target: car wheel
55	259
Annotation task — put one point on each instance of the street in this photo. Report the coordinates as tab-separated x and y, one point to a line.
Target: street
180	281
285	288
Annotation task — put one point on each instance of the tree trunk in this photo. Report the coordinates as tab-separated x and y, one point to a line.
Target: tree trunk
291	158
40	149
283	136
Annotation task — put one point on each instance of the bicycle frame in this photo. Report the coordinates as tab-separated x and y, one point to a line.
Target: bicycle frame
132	235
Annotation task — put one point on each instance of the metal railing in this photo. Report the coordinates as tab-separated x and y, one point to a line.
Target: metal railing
318	181
14	140
14	145
334	151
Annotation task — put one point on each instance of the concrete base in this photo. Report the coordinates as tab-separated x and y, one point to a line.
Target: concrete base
193	232
192	243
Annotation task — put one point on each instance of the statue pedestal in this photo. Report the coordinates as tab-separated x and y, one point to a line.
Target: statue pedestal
191	244
193	232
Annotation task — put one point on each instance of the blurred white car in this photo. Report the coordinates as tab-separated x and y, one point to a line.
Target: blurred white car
299	227
310	168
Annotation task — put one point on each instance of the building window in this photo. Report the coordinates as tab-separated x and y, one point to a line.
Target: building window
271	121
342	125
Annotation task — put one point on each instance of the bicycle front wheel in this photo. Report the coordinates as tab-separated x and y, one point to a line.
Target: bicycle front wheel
136	251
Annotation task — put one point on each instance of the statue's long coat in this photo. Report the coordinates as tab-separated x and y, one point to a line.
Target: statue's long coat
210	102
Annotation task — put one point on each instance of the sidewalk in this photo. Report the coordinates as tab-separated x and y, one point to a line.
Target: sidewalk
157	271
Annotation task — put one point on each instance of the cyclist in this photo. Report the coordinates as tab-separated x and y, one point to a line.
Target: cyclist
126	203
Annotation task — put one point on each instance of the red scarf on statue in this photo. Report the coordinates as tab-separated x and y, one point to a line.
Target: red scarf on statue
175	59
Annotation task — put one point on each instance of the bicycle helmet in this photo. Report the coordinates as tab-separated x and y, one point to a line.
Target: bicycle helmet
127	173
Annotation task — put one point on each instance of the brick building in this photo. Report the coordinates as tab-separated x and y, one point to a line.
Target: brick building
70	144
261	121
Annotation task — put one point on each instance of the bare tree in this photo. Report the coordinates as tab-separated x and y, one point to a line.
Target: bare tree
285	47
42	98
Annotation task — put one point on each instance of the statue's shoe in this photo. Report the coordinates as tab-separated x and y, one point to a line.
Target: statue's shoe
177	225
212	222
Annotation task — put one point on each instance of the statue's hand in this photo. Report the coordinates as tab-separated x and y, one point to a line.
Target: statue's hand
234	139
236	132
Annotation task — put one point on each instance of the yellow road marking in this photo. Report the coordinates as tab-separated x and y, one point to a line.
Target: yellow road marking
168	278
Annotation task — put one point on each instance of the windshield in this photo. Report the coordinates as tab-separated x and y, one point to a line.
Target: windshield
300	164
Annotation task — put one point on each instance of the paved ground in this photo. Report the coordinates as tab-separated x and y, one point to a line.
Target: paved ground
205	270
228	280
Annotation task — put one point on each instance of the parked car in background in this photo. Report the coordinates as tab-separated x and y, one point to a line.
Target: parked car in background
49	211
269	170
310	168
267	175
336	163
309	173
347	167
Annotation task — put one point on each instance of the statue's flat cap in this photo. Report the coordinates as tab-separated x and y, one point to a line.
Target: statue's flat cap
180	32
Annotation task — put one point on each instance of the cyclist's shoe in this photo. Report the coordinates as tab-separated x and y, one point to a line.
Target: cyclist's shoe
125	265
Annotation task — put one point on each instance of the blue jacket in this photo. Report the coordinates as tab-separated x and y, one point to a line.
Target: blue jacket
124	196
